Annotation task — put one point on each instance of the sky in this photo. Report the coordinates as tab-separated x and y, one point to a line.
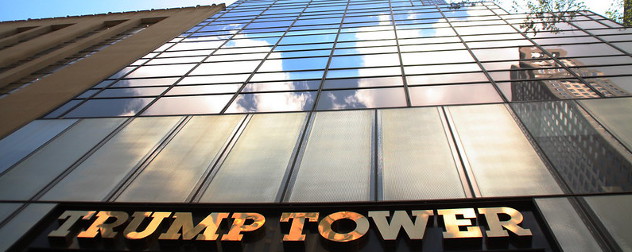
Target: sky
24	9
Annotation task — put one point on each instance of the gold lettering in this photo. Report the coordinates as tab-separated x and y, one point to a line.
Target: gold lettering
137	218
105	229
496	225
362	226
234	234
184	221
71	218
298	221
452	224
401	219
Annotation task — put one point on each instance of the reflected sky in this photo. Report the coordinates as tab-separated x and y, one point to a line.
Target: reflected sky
270	102
183	105
453	94
362	98
110	107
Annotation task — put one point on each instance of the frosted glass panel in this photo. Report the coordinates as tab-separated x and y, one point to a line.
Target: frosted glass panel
615	115
21	223
255	167
100	173
503	161
614	213
417	160
171	176
567	226
34	173
336	164
25	140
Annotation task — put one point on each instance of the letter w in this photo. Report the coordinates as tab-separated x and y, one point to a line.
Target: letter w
401	219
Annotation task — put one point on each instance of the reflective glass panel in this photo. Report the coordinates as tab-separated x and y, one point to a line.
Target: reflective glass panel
34	173
110	107
362	98
27	139
336	139
364	61
363	82
188	105
293	64
159	71
145	82
453	94
501	158
437	57
22	223
445	78
173	174
130	92
97	176
281	86
256	166
412	168
225	67
615	115
204	89
270	102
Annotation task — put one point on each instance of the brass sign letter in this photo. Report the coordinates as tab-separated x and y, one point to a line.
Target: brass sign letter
184	221
234	234
105	229
137	218
401	219
452	224
71	218
362	226
298	221
496	225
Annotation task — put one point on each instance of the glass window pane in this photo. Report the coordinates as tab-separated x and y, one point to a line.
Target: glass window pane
159	71
412	168
615	115
614	213
188	105
130	92
226	67
110	107
97	176
204	89
287	76
364	72
7	209
173	174
453	94
364	61
256	166
145	82
22	223
445	78
293	64
567	226
270	102
229	78
336	139
27	139
281	86
437	57
503	161
362	98
34	173
363	82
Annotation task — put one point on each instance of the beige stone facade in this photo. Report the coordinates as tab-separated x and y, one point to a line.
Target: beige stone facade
20	41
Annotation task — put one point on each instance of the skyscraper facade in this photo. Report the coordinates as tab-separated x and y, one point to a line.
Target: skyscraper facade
410	125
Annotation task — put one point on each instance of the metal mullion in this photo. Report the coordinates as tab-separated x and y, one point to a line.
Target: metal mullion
478	62
331	55
575	75
399	55
252	74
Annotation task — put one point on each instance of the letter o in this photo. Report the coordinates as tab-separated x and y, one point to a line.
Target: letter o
362	226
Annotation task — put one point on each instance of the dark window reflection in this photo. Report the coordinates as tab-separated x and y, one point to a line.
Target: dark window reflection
271	102
579	153
362	98
110	107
